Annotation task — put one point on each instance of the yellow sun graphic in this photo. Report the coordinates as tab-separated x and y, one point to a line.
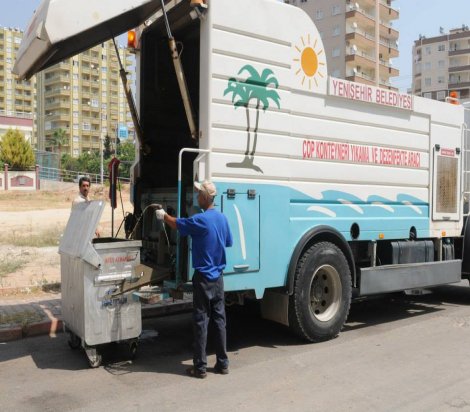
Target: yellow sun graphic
310	60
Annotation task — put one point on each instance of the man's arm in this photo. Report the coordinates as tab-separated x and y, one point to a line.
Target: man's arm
170	220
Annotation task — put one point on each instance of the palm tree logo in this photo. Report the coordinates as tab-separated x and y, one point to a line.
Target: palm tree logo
259	89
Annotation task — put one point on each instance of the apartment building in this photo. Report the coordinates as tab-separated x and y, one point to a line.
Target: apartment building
84	97
17	104
359	38
442	64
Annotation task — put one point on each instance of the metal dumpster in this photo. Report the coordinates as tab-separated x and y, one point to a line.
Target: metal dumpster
91	270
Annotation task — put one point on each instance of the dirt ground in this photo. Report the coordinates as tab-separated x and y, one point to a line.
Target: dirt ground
32	223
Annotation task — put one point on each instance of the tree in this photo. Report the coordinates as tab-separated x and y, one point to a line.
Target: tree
16	151
59	139
107	149
259	88
127	157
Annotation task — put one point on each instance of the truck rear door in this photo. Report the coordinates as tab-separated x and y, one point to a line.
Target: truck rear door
60	29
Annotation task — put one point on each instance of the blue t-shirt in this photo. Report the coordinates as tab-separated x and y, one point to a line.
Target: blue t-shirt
210	235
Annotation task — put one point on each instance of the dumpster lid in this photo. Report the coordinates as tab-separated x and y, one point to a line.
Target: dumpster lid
80	231
60	29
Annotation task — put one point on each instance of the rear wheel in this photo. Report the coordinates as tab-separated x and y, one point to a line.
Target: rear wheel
320	303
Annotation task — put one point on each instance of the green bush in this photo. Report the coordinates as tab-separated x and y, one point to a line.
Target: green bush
16	151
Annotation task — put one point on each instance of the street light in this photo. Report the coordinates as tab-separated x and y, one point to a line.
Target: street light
96	69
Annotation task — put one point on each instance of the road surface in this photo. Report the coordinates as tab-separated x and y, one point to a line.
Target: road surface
396	353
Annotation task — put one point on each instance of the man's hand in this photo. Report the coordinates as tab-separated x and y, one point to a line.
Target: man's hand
160	213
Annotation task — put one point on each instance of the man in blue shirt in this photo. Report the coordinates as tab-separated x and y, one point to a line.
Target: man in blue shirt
210	235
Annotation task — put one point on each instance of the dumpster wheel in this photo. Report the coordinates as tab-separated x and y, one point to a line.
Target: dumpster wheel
133	348
94	357
74	341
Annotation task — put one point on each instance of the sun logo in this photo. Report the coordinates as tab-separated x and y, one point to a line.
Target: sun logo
310	59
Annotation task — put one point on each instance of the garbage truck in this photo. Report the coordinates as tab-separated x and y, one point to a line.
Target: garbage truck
333	189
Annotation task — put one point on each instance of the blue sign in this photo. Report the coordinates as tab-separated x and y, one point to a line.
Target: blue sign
123	132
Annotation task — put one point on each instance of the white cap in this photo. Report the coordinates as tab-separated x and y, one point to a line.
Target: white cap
206	187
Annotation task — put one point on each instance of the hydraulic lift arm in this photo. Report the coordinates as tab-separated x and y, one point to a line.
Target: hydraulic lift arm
188	107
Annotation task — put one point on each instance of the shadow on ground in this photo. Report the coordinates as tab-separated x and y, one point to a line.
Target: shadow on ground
170	352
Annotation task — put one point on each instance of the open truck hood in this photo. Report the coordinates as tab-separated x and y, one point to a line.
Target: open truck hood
60	29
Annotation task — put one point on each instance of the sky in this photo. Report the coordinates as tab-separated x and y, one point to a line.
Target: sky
416	17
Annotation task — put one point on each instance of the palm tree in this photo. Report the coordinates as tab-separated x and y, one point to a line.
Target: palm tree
261	93
261	89
59	139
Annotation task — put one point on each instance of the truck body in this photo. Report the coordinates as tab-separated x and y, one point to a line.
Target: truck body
332	189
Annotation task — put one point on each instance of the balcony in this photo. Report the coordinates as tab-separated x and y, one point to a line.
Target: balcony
388	48
57	79
57	105
361	38
387	12
459	85
361	78
59	118
360	58
455	69
387	70
361	17
459	52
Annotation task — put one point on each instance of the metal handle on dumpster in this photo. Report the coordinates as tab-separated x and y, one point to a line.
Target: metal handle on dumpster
113	277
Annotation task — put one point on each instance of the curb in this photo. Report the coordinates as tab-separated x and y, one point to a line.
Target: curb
48	327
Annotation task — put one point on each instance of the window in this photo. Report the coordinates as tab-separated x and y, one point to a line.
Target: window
335	52
441	47
75	126
336	30
427	81
441	79
319	14
335	10
75	101
335	73
76	63
427	66
428	50
75	76
104	69
75	114
441	95
86	126
427	95
442	64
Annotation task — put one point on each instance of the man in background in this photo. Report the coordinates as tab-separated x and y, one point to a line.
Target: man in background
84	190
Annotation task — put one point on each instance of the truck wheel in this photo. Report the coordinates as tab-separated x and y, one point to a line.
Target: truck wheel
320	303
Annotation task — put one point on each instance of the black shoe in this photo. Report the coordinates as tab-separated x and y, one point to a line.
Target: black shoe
221	371
193	372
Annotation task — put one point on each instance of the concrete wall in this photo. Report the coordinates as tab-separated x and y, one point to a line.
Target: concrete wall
19	180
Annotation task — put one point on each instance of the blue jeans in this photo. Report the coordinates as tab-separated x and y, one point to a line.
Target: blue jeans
208	303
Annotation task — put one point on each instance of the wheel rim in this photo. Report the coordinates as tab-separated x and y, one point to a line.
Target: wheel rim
325	293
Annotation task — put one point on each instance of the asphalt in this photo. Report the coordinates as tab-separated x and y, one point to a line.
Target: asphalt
24	315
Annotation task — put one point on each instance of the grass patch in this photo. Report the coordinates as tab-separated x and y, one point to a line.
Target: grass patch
20	318
45	238
10	265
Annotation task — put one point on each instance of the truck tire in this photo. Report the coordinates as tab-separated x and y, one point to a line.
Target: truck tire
319	306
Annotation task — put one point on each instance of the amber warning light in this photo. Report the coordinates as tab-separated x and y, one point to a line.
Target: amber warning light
453	98
131	39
